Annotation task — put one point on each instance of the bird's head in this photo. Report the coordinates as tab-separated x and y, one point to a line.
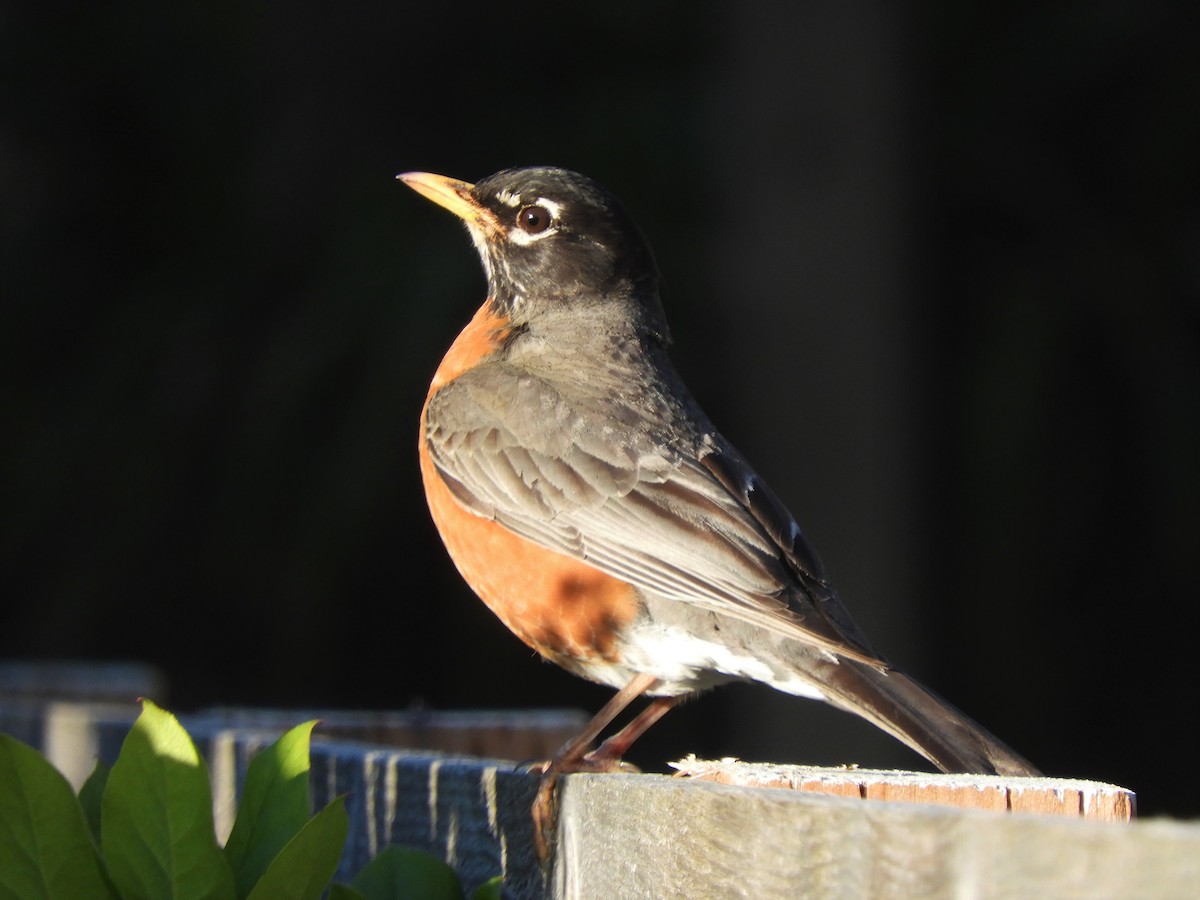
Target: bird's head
552	239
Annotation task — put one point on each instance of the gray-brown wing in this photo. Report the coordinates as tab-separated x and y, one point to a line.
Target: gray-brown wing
689	522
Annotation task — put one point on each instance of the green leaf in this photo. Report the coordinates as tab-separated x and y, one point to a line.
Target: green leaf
45	848
156	823
342	892
273	809
305	866
492	889
90	796
399	872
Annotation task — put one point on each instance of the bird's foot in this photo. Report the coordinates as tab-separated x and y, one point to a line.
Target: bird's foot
545	804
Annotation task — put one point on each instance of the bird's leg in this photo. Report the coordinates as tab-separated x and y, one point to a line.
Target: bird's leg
574	750
572	755
609	754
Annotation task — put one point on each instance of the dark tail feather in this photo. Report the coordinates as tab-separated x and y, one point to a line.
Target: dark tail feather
922	720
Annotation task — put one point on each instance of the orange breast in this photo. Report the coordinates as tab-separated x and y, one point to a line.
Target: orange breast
563	608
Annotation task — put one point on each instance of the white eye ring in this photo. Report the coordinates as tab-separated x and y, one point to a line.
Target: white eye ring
535	221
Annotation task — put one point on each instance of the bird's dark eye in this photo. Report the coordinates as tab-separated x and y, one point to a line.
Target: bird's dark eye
534	219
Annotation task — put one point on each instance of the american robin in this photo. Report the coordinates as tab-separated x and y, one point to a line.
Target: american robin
589	501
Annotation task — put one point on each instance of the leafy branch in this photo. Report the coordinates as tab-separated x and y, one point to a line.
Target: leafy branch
144	829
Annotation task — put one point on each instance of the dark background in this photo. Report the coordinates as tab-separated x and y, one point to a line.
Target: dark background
935	272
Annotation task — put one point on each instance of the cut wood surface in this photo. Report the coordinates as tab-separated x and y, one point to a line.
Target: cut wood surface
1047	796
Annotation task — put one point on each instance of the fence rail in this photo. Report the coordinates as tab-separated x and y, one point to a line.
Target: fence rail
716	829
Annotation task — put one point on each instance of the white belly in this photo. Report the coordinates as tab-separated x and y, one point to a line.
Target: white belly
684	662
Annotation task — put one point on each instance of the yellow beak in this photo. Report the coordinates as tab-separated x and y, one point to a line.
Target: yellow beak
455	196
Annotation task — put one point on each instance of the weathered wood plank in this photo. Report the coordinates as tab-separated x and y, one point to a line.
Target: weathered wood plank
78	682
646	836
504	734
473	813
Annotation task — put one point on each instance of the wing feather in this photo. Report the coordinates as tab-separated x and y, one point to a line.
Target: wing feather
691	523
